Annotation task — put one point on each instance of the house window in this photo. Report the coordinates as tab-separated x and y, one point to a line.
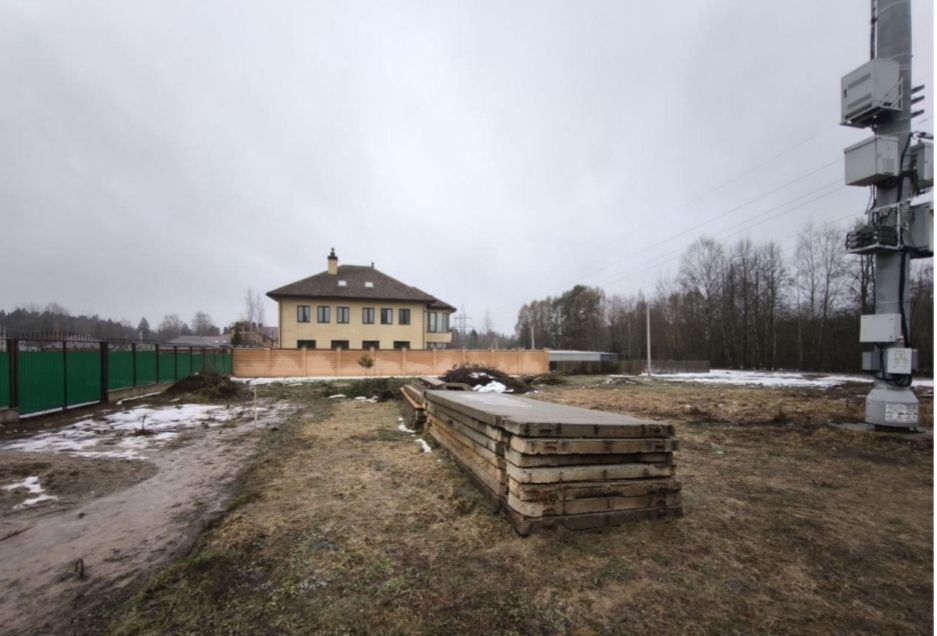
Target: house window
437	322
387	316
340	344
323	313
305	344
401	344
343	283
302	313
367	315
370	344
404	317
368	284
342	315
435	345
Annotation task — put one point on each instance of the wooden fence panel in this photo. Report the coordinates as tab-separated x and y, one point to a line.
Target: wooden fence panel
285	363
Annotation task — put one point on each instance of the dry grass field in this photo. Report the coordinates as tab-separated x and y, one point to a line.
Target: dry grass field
343	525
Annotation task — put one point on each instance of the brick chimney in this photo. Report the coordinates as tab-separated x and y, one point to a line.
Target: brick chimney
333	262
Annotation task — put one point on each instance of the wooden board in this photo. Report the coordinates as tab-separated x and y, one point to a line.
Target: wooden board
499	435
528	461
524	525
414	392
602	472
563	446
492	476
470	444
458	427
431	382
588	490
594	504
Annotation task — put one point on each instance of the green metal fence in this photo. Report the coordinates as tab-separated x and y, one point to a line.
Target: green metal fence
41	376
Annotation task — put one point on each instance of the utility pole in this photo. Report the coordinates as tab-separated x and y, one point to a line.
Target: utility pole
879	95
532	347
647	320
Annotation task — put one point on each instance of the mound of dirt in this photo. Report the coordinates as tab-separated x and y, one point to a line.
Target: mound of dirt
206	386
478	375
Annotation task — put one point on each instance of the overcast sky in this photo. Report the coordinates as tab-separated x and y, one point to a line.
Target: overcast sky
162	157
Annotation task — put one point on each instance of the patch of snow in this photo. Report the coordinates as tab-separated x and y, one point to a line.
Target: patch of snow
115	435
138	397
403	428
426	448
33	487
491	387
786	379
337	396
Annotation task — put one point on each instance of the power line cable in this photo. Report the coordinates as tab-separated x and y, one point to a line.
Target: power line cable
721	215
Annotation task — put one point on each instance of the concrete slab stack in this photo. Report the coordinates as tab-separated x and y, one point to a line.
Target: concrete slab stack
549	464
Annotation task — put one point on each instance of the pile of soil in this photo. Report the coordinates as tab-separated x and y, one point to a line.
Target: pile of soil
478	375
206	386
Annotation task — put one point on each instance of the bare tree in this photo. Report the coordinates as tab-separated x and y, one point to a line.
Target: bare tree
203	325
253	309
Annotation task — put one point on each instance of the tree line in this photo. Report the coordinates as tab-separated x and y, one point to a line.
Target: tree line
54	319
739	305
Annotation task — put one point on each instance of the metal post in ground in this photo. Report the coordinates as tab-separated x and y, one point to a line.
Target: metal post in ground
133	361
64	374
13	347
889	404
648	321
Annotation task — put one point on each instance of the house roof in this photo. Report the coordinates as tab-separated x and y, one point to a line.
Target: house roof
201	341
355	285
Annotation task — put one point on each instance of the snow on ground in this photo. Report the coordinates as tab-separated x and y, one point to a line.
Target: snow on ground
33	487
402	427
121	435
787	379
492	387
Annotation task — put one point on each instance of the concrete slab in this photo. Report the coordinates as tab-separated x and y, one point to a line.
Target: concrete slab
534	418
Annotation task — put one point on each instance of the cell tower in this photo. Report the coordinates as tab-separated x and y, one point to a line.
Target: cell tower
898	163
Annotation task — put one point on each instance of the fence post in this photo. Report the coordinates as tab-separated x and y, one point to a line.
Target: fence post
105	376
13	346
191	361
435	361
175	363
338	360
64	374
133	363
403	360
156	353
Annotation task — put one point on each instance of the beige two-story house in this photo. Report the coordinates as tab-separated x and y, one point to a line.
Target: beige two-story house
359	307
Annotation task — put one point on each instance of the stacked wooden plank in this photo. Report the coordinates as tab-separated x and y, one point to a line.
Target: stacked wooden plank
413	405
550	464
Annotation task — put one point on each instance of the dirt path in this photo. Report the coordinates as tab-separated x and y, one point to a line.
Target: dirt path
118	535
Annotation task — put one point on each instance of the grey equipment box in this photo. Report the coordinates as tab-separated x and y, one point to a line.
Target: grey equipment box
872	160
922	155
880	328
869	91
919	237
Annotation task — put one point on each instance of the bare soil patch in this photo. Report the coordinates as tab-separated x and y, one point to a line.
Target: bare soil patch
344	526
71	480
65	561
